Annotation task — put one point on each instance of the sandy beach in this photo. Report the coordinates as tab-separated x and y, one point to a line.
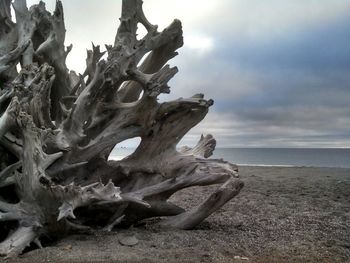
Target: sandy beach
283	214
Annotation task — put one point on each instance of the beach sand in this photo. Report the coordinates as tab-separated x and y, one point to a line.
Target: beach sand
283	214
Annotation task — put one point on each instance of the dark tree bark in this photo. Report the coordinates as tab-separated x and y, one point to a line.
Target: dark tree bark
57	130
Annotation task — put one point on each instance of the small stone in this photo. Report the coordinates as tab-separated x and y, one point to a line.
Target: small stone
238	224
68	247
128	240
240	258
330	243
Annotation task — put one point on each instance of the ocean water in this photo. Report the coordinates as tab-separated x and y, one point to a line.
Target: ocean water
325	157
329	157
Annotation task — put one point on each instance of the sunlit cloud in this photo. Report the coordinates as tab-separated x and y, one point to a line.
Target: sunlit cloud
162	12
199	43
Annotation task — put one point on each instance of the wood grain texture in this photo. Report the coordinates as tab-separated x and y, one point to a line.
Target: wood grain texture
58	128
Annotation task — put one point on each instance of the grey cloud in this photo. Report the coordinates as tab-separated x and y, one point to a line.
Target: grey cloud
290	90
277	127
278	70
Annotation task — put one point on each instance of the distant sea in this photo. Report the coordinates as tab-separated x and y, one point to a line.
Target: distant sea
324	157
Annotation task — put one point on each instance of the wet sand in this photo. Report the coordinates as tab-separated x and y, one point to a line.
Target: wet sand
293	214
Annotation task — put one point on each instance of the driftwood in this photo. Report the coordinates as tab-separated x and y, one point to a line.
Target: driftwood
57	130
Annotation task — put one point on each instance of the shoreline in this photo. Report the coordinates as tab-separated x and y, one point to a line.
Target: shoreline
283	214
290	166
299	157
117	158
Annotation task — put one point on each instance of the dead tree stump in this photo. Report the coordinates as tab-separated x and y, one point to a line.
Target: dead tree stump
57	130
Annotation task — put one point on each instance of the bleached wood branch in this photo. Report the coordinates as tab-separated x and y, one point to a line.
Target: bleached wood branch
57	129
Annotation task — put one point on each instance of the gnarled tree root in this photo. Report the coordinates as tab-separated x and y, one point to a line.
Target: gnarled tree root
57	130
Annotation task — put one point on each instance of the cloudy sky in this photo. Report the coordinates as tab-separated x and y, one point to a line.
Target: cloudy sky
278	70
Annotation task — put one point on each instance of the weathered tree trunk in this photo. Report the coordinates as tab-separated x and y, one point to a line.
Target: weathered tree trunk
57	131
